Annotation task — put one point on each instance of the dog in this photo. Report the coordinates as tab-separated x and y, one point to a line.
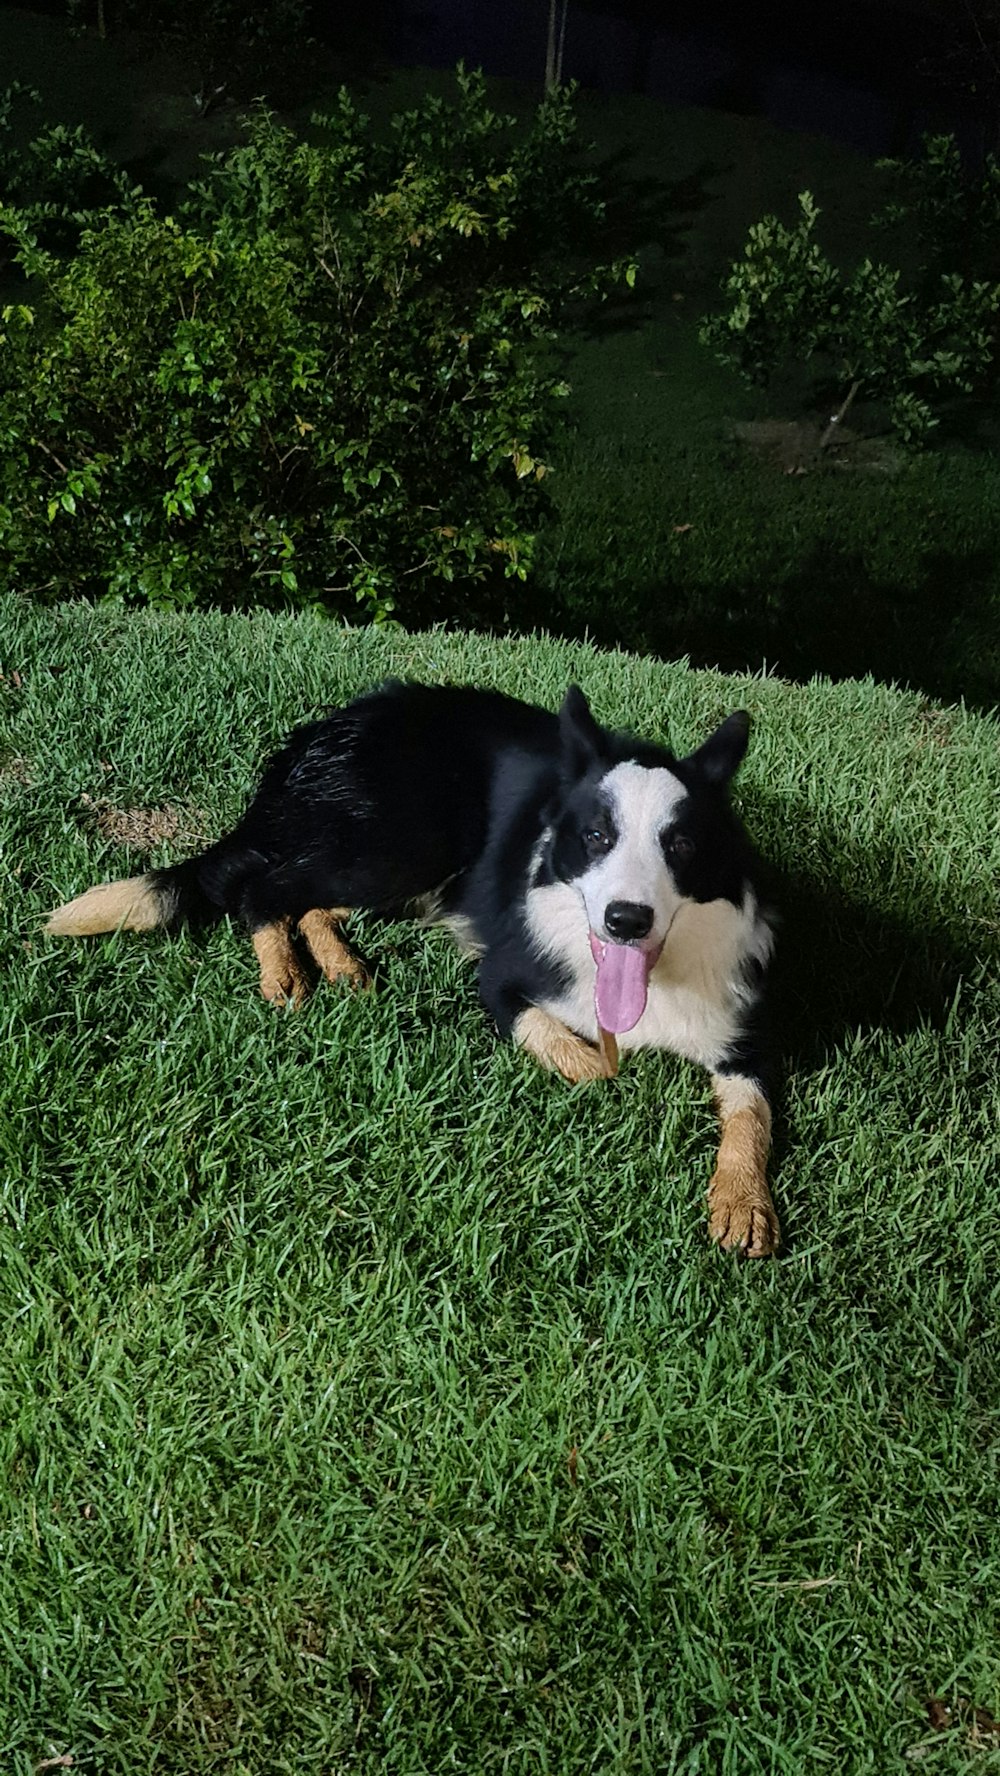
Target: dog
607	891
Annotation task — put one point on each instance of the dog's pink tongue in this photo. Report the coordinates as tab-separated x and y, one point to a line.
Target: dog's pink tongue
622	980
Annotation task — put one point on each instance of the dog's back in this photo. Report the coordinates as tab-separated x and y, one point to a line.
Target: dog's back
378	805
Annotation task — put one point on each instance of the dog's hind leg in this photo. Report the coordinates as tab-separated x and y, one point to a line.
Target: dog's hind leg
742	1214
283	980
557	1047
320	930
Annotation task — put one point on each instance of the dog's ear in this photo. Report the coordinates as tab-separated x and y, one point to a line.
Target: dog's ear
581	737
721	755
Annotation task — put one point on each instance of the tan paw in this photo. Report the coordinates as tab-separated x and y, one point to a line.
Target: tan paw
578	1062
742	1217
286	986
283	980
559	1048
353	973
320	929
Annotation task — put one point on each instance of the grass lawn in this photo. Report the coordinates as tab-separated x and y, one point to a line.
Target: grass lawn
370	1402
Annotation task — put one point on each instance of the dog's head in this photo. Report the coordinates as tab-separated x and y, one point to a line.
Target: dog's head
638	832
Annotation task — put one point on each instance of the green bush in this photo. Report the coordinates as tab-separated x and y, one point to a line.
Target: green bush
58	181
908	342
325	381
953	212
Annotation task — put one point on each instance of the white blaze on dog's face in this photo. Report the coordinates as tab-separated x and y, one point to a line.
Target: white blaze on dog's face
627	886
636	839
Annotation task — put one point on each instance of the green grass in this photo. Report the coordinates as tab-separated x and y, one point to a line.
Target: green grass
370	1402
702	551
670	537
306	1315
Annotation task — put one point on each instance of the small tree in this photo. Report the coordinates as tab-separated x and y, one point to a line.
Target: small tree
953	213
909	346
57	181
328	380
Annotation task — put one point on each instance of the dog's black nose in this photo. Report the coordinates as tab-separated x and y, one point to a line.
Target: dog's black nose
627	920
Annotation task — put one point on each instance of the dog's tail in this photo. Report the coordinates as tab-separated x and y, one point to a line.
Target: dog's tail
160	900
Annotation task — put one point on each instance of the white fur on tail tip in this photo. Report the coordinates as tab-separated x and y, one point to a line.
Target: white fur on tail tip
132	905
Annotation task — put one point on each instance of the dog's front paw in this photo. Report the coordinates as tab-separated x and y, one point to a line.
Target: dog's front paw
580	1063
560	1049
742	1216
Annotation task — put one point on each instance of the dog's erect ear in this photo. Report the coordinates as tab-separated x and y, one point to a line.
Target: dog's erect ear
720	757
582	738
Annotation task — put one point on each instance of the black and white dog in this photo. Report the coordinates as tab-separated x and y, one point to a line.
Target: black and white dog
606	889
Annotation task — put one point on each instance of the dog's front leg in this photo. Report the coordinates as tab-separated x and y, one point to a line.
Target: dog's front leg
741	1211
510	1000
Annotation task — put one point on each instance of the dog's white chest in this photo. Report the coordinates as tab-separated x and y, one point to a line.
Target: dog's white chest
697	989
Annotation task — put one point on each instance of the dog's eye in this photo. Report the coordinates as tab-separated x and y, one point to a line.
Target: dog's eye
595	840
680	847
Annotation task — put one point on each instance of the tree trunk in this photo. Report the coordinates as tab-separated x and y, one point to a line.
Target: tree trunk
550	49
555	43
836	419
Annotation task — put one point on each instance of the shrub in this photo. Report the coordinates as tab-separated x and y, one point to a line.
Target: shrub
58	181
326	380
953	212
910	343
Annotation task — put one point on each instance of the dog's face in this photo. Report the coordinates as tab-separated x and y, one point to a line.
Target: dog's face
620	841
637	834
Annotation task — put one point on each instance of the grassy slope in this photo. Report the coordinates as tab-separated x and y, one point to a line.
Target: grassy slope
304	1315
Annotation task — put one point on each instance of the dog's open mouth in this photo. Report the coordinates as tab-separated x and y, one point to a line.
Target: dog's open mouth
622	985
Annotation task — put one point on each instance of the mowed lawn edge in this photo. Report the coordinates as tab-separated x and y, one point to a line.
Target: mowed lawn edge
369	1400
